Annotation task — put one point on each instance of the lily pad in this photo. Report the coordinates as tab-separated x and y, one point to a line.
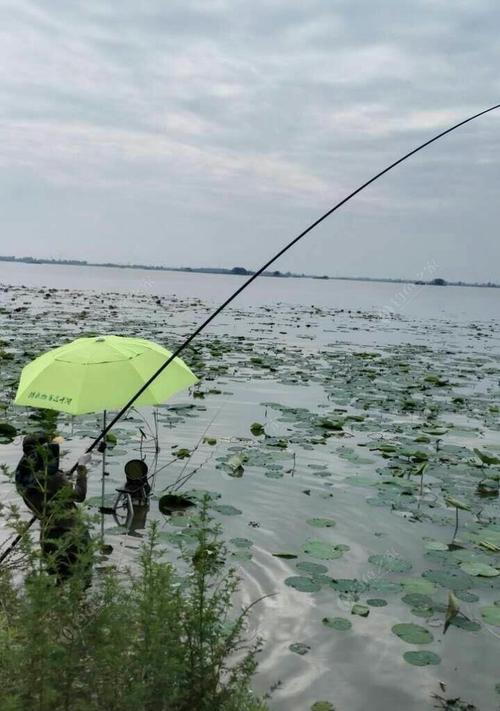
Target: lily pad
417	600
412	634
226	509
479	569
453	580
436	546
322	550
299	648
388	587
321	522
422	658
465	624
376	602
241	542
391	563
257	429
337	623
466	596
361	481
491	615
418	585
312	568
348	585
303	584
361	610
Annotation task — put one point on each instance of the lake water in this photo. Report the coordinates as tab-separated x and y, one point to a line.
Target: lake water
427	302
332	370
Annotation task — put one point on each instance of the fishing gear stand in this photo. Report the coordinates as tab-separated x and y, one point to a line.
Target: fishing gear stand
137	489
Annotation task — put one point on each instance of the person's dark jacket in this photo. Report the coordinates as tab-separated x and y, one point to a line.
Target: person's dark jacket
45	489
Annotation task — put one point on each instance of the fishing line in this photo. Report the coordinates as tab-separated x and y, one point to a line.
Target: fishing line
254	276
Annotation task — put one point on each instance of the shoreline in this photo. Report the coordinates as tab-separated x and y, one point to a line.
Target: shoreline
241	271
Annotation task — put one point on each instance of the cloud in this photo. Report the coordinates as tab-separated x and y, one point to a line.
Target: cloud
265	113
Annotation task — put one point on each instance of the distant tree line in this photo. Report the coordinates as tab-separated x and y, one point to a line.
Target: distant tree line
238	271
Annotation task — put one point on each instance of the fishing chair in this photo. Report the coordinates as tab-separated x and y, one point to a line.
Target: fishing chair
136	490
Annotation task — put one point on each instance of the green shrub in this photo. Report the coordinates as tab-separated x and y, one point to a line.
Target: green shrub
150	639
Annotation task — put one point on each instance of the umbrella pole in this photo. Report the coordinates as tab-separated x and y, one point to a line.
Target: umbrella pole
157	442
103	481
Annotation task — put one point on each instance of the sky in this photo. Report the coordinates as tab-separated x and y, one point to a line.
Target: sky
211	132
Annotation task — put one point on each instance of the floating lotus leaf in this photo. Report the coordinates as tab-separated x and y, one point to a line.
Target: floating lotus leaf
226	509
423	612
112	439
436	546
322	706
361	481
201	494
361	610
418	585
322	550
321	522
241	542
299	648
328	424
464	624
422	658
479	569
453	580
466	596
273	474
235	464
337	623
412	634
391	563
348	585
322	579
303	584
312	568
417	600
486	458
381	585
257	429
376	602
491	615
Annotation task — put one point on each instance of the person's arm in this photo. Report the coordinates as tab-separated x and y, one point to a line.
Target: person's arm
80	486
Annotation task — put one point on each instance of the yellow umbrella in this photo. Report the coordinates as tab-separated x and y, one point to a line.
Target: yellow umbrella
100	374
103	373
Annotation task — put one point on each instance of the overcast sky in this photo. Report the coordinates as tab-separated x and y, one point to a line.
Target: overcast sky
210	132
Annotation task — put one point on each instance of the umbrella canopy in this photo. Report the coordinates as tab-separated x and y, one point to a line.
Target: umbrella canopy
103	373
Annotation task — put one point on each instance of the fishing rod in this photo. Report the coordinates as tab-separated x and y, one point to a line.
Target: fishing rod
262	269
254	276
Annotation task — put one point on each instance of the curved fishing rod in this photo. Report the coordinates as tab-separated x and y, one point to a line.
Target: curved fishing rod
254	276
271	261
